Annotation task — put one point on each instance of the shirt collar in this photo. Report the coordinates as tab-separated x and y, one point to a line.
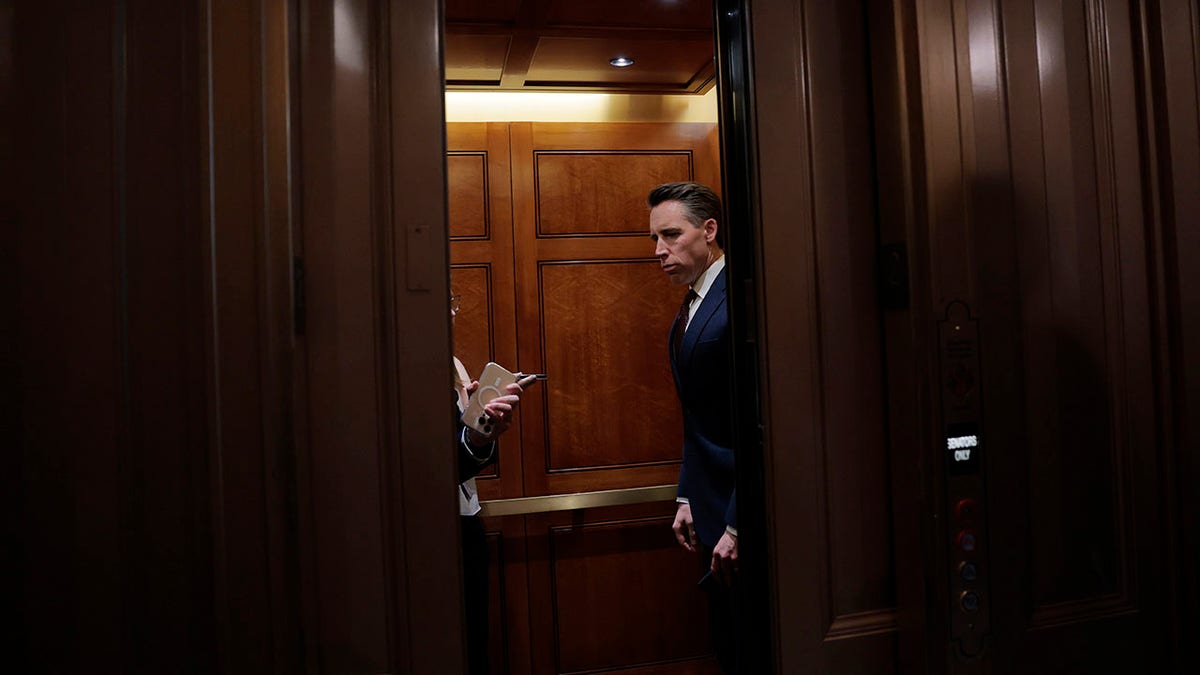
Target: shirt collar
708	276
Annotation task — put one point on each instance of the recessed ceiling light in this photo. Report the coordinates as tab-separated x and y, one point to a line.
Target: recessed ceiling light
621	62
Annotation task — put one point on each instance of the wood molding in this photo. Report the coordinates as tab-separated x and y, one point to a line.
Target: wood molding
1081	611
862	624
423	571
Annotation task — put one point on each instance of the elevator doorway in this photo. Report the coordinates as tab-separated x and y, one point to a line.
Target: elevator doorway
886	217
551	153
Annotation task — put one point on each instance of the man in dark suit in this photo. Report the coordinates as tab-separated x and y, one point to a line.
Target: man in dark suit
685	226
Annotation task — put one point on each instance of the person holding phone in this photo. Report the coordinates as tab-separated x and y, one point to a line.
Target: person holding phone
476	451
685	227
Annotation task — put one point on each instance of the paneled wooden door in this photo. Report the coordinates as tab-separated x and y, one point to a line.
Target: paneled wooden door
1026	335
1062	284
550	251
1033	308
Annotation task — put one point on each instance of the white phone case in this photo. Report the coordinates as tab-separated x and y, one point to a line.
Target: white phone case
492	383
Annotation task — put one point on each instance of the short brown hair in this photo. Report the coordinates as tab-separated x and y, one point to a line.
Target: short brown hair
698	200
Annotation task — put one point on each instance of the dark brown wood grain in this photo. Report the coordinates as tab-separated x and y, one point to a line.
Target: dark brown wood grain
610	590
1073	410
834	458
593	313
1170	72
509	639
154	336
611	400
598	193
467	195
69	345
481	245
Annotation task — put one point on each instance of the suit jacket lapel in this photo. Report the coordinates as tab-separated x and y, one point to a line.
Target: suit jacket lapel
713	300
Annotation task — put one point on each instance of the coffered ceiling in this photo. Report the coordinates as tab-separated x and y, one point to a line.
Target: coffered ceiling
567	45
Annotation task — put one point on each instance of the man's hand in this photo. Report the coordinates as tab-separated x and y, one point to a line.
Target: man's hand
725	559
499	409
685	531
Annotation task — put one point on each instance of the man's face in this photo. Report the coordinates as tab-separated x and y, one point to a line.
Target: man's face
682	248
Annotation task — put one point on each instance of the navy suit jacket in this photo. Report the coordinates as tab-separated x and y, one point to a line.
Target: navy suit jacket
701	369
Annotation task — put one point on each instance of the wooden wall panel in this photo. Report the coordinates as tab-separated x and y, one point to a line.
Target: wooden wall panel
610	591
859	449
475	343
1033	171
70	379
509	639
467	195
1072	310
379	530
1171	67
474	335
249	218
611	402
481	270
1082	293
342	453
842	463
602	314
154	405
580	194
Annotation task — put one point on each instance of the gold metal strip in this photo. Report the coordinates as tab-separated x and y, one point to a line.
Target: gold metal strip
578	500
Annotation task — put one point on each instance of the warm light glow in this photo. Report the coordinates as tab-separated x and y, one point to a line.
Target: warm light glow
499	106
348	38
621	62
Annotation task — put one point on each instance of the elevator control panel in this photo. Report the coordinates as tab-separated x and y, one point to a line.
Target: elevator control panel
962	447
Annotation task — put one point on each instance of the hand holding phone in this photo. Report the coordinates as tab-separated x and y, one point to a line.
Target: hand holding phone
493	382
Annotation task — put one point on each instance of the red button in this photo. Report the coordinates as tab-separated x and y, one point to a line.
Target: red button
966	510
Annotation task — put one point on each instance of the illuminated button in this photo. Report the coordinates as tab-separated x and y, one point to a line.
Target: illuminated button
966	510
966	540
967	571
969	601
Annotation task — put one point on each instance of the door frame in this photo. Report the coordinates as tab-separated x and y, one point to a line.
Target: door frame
773	95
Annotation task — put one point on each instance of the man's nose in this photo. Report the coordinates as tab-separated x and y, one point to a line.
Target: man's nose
660	249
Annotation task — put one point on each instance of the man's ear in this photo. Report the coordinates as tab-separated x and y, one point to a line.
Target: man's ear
710	230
